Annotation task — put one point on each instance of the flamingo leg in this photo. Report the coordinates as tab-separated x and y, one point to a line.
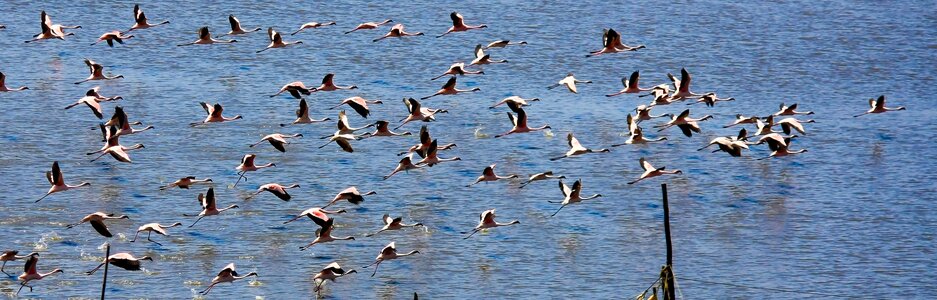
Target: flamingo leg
471	234
375	268
43	197
196	221
205	291
558	210
148	238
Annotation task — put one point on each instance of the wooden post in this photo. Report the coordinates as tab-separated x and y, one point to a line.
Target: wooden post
670	292
107	254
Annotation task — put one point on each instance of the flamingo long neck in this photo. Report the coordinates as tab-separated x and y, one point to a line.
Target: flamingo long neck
592	197
44	275
541	127
229	207
408	253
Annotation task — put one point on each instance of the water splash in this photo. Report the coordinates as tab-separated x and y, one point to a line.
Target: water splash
479	134
43	242
548	133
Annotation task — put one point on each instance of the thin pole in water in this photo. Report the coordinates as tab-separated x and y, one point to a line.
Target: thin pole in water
107	254
668	280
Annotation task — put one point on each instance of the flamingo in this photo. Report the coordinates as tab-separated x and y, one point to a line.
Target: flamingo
393	224
215	114
343	141
97	222
570	82
636	137
276	189
122	260
487	220
302	115
328	84
185	182
489	175
369	25
458	24
762	128
58	181
140	21
782	149
572	195
351	194
114	148
123	124
791	123
276	41
685	123
430	157
418	112
878	106
517	101
247	165
611	43
731	144
4	88
388	253
520	122
209	207
228	274
425	141
383	129
740	119
650	171
458	69
541	176
450	89
397	31
111	37
630	84
775	141
9	255
314	214
790	110
295	88
483	59
312	25
50	30
661	95
236	27
30	273
575	148
324	234
360	105
97	72
710	99
154	227
344	128
643	113
205	38
503	43
331	272
405	164
683	91
277	140
92	99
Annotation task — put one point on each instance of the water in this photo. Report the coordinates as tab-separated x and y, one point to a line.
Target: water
853	216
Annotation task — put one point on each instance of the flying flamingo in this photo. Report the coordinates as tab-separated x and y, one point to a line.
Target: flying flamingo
405	165
683	91
154	227
630	84
360	105
740	119
782	149
30	273
50	30
228	274
503	43
710	99
487	220
425	141
450	89
205	38
111	37
540	176
324	234
418	112
276	189
140	21
661	95
215	114
458	24
643	113
730	144
369	25
302	115
331	272
328	84
185	182
9	255
296	89
430	157
351	194
4	88
114	148
312	25
483	59
516	100
92	99
397	31
276	41
393	224
457	69
123	124
611	43
383	129
685	123
650	171
97	222
878	106
343	141
344	128
570	82
58	181
575	148
520	122
489	175
209	207
277	140
314	214
572	195
236	27
97	72
247	165
122	260
637	137
388	253
784	110
791	123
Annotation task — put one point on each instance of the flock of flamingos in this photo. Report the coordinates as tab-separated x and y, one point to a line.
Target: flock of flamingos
428	149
